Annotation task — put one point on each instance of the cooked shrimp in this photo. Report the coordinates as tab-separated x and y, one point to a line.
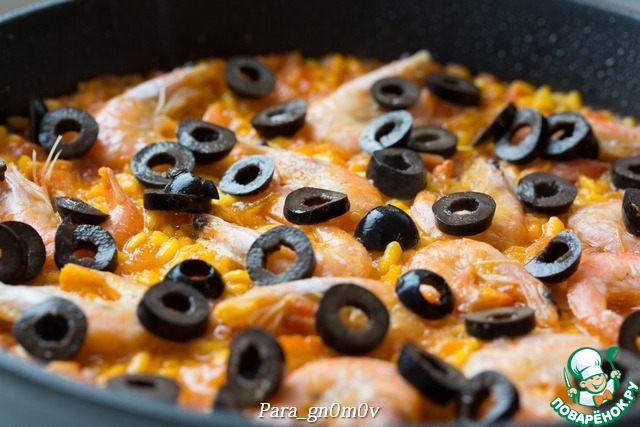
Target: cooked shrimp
339	118
604	282
125	217
600	228
348	381
482	277
22	200
568	169
147	112
616	139
224	238
534	364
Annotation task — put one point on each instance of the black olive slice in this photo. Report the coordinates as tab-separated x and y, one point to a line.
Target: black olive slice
629	333
464	214
183	182
174	311
505	401
432	376
497	127
282	119
207	141
33	245
395	93
13	262
528	148
408	291
342	338
433	140
390	130
37	110
249	175
54	329
79	211
309	205
270	242
160	153
558	260
68	119
397	172
255	367
625	173
631	210
546	193
158	200
147	386
500	322
3	169
248	77
453	89
89	237
385	224
199	274
571	137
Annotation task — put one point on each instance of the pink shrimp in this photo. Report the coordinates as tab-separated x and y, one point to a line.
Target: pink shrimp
616	139
481	277
604	288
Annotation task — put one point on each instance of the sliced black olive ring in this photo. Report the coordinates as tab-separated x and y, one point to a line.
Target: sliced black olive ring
255	367
54	329
33	245
282	119
497	127
248	77
571	137
631	210
249	175
207	141
397	172
68	119
546	193
432	376
505	400
147	386
629	333
160	153
159	200
270	242
395	93
625	173
342	338
390	130
386	224
528	148
464	214
433	140
79	211
37	110
174	311
453	89
199	274
14	256
558	260
500	322
89	237
408	291
309	205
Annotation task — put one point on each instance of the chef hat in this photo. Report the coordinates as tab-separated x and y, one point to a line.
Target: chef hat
585	363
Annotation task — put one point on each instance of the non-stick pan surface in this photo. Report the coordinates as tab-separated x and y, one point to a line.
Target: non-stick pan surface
44	51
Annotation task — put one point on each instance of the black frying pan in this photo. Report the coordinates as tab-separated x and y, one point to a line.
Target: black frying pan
44	51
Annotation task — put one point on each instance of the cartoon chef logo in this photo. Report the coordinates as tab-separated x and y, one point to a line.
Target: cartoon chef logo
585	364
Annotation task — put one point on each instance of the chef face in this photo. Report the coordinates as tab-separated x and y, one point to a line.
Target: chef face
595	384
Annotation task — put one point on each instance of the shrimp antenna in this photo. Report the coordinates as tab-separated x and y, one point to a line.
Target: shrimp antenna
47	167
162	99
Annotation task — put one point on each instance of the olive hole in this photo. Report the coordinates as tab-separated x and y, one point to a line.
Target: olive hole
384	130
500	316
392	90
430	293
464	206
634	168
563	132
85	249
278	116
247	174
279	259
450	80
484	402
141	383
52	327
426	137
203	134
249	73
249	363
161	162
316	201
545	189
519	134
68	129
195	269
434	364
553	252
177	301
397	162
353	318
